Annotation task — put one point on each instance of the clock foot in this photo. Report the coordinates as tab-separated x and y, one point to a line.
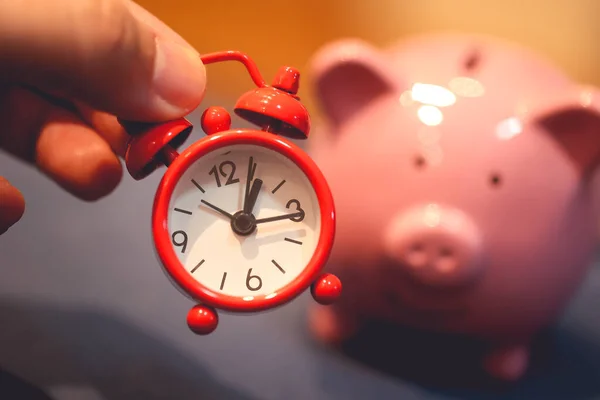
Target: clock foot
326	289
202	319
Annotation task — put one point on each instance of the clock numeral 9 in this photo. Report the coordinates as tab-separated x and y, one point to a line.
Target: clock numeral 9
253	278
297	208
180	243
230	176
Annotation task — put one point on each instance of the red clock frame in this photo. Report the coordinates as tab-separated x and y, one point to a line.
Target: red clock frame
162	237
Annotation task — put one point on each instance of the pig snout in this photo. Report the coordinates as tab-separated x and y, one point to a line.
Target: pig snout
437	246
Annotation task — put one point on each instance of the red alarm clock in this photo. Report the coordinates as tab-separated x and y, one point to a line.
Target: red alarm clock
243	219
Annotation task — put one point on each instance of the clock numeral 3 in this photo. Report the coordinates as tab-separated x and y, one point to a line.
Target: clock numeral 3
253	282
181	243
297	208
230	175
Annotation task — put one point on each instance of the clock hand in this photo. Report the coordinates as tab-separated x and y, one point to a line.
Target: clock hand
279	217
225	213
252	196
251	168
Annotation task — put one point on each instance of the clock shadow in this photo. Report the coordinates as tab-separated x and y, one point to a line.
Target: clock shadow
251	245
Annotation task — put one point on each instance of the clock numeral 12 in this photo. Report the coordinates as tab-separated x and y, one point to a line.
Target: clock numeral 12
230	176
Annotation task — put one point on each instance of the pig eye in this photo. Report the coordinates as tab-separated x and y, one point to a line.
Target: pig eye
419	161
472	60
495	180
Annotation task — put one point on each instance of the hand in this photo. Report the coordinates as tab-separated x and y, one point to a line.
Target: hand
253	196
68	69
280	217
217	209
251	169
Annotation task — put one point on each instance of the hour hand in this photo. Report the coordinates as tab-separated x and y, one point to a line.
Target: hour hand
252	196
280	217
217	209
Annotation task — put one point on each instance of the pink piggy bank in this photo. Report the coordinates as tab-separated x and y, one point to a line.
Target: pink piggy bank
461	168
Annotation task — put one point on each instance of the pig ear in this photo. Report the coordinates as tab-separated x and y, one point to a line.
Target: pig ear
347	75
574	122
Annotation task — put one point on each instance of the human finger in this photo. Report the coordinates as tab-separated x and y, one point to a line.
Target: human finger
107	126
62	146
100	52
12	205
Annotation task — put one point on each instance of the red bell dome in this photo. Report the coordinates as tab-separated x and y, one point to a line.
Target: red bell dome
276	108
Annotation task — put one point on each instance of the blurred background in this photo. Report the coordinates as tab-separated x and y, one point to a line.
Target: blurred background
86	312
276	33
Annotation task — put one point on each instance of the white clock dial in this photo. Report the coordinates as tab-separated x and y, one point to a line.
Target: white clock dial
259	263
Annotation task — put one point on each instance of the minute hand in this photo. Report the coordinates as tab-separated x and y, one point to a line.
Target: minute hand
217	209
279	217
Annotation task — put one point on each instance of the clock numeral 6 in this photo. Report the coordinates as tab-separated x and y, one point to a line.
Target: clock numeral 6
253	278
297	208
229	175
180	243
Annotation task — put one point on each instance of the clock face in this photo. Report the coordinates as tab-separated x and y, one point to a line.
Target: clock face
244	221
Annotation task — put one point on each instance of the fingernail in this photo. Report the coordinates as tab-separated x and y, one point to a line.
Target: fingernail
179	77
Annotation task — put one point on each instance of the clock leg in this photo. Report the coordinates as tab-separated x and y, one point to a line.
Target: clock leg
326	289
202	319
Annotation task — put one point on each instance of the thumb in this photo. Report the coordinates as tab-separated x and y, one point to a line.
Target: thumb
109	54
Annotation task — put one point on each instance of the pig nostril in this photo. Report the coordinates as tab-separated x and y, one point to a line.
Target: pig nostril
416	256
446	262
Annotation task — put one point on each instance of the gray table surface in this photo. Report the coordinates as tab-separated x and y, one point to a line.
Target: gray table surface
86	313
